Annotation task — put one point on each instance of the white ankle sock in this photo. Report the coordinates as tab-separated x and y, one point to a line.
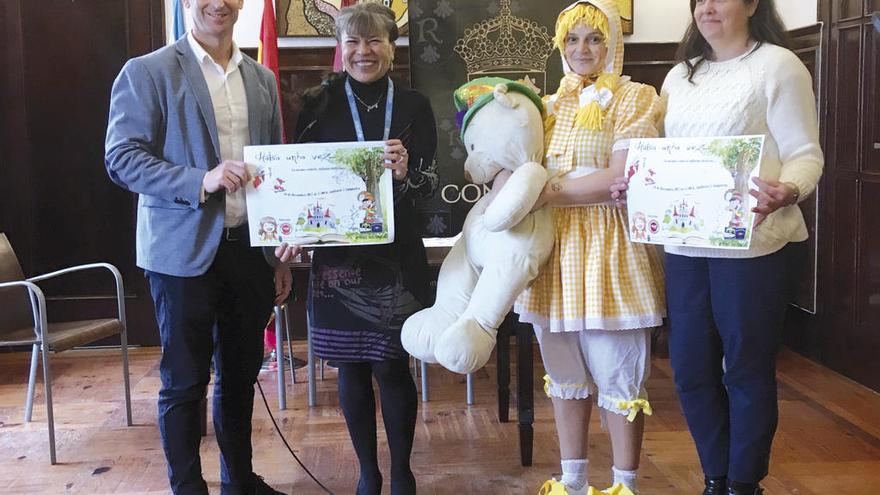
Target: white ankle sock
627	478
574	473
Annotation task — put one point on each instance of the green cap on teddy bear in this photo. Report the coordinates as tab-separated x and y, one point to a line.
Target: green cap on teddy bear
474	95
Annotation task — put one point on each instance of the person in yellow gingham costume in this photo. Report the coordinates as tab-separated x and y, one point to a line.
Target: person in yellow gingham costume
595	300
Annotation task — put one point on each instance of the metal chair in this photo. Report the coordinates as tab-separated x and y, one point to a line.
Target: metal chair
24	322
282	328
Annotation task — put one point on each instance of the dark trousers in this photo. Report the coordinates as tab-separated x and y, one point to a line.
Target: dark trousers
726	318
399	407
218	315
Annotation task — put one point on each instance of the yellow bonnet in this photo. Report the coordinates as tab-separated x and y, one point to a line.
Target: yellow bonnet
596	90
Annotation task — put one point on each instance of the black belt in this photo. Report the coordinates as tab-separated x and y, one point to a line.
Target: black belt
235	234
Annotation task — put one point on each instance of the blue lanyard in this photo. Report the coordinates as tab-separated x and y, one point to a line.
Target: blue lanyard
356	116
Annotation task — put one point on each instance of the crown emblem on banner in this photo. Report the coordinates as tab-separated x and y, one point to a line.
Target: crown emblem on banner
505	43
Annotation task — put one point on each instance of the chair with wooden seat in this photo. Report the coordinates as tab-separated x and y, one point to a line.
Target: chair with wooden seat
23	322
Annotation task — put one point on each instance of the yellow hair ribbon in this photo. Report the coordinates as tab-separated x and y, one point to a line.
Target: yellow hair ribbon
634	406
592	116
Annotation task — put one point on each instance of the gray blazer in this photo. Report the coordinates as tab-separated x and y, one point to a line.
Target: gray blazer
162	140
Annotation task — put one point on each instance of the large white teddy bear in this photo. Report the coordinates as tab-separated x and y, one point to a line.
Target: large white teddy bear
503	242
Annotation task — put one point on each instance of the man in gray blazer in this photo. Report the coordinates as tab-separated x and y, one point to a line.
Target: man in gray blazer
179	118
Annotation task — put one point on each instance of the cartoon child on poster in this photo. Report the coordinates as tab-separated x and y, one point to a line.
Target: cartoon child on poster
268	229
735	206
368	205
638	229
736	227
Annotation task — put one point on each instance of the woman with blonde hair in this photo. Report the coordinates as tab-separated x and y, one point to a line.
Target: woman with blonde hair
595	301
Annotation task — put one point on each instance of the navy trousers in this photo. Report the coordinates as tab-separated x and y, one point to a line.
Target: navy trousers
219	315
726	318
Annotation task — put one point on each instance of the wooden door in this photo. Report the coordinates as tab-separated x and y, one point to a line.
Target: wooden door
852	266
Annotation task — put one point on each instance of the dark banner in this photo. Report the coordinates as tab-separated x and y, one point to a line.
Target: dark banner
454	41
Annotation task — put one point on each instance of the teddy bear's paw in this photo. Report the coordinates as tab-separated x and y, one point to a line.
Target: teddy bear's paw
421	330
466	346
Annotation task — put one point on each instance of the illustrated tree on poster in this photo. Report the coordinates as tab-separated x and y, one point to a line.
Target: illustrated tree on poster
739	157
366	163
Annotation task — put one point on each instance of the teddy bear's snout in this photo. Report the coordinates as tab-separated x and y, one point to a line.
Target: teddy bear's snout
479	168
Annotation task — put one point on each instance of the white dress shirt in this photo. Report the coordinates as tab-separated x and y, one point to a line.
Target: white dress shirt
229	100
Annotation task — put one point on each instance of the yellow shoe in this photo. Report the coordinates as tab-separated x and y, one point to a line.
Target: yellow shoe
617	489
553	487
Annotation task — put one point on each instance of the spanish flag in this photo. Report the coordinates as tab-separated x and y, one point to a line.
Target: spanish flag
267	53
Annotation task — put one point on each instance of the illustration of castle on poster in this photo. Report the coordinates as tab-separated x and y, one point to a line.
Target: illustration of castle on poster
693	191
319	194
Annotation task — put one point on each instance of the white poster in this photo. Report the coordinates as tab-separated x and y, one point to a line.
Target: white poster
693	191
319	194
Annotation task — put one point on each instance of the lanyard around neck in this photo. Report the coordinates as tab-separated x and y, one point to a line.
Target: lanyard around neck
356	116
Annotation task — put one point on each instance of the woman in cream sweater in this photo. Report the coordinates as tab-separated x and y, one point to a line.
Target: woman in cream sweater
726	307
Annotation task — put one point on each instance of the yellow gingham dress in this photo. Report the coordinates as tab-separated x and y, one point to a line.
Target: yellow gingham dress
595	278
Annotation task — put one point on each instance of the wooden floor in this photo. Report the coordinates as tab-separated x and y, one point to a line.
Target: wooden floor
828	441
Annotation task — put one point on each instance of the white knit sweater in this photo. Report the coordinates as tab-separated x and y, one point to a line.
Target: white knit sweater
767	91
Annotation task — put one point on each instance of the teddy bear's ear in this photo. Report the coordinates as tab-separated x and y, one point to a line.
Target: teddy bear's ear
501	96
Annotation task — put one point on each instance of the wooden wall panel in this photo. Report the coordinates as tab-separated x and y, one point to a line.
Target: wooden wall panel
866	328
60	209
73	202
806	43
649	62
842	303
868	268
871	136
845	332
864	337
14	147
846	98
847	9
